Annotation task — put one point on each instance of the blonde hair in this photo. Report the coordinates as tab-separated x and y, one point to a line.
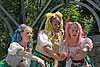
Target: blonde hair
48	24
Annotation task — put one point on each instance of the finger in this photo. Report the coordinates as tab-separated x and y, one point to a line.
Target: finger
42	64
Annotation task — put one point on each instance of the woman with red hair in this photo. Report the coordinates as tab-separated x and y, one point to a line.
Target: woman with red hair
77	46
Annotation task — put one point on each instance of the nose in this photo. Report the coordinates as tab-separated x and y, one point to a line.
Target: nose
57	25
30	35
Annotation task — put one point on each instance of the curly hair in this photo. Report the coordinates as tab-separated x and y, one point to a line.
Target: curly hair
48	24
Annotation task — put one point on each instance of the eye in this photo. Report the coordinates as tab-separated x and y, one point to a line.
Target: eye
76	31
58	23
30	32
73	30
55	24
27	33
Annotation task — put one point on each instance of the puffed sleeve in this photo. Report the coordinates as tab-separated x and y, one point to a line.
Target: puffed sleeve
63	47
88	43
14	48
43	39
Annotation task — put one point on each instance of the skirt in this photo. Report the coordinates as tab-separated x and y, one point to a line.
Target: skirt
87	61
48	63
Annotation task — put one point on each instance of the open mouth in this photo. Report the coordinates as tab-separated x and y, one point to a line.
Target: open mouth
74	35
29	38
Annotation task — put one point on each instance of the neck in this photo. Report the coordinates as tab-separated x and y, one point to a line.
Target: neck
56	31
73	41
23	44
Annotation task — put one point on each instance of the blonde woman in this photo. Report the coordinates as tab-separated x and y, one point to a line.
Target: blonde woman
49	40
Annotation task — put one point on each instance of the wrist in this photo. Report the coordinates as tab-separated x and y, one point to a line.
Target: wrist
84	49
38	60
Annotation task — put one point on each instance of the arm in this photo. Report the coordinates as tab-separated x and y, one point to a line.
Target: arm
16	49
46	44
63	51
30	56
50	52
88	45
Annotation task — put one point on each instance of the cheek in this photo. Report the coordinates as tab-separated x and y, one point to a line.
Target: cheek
70	32
54	26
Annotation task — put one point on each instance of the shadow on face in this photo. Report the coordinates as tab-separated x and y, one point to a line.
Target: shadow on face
26	34
73	30
55	21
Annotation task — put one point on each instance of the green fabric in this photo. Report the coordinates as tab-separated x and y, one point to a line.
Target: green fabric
88	60
62	63
3	63
33	63
48	63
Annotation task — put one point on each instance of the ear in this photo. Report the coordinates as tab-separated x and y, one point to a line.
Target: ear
21	34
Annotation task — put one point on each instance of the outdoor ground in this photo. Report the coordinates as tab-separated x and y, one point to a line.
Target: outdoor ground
96	50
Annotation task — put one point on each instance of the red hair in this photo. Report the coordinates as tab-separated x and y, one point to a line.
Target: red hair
67	34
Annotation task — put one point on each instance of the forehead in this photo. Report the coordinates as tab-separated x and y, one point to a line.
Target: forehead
74	26
28	29
55	20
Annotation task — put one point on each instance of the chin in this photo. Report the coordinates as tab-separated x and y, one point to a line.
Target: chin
57	30
27	40
74	35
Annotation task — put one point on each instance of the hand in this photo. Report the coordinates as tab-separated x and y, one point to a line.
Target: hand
80	54
63	55
28	49
56	63
41	62
56	57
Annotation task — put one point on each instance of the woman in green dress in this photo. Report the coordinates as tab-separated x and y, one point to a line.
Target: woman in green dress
19	51
77	46
49	41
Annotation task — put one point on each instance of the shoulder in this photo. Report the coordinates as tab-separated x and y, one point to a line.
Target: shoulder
43	32
63	43
15	45
87	40
42	36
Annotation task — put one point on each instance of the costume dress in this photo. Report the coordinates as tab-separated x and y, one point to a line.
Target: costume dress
72	50
43	41
13	59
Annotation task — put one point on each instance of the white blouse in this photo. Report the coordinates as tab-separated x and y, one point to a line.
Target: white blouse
84	43
14	48
43	41
13	58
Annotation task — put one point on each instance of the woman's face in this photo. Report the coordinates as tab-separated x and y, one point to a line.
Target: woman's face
56	24
73	30
26	35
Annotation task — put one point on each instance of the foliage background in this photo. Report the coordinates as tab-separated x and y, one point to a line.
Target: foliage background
33	9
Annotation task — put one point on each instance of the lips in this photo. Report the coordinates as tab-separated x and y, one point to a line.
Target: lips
29	38
74	35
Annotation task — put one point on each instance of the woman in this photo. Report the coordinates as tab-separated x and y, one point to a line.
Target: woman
77	46
19	51
49	40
